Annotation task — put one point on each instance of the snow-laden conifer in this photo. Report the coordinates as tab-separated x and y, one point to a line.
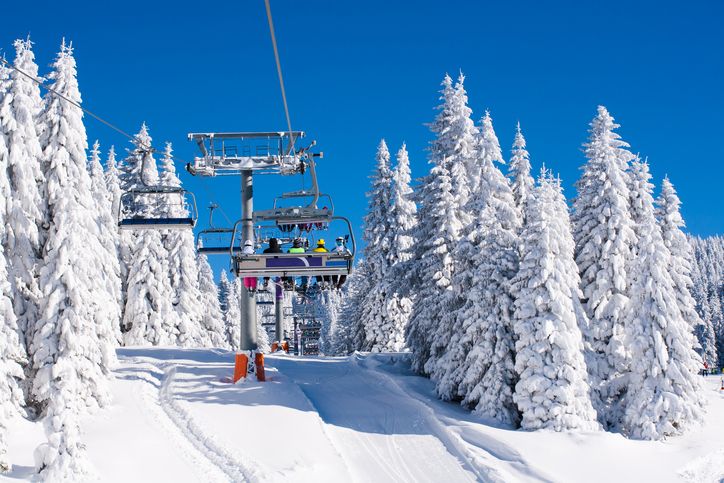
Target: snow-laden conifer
182	263
148	317
232	316
605	238
108	236
440	224
212	318
519	172
113	182
12	349
477	324
223	288
662	396
72	348
377	233
552	390
345	335
671	222
20	107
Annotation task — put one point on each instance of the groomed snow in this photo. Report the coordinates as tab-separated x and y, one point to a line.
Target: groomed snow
358	418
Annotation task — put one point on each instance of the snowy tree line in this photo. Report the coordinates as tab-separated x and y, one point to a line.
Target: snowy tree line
708	293
74	287
525	310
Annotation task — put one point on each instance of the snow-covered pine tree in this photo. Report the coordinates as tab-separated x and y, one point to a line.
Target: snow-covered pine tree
403	217
182	265
21	104
223	289
519	172
232	316
329	304
440	197
478	324
551	391
212	317
377	232
489	376
345	335
663	396
110	268
12	349
113	182
604	236
149	317
671	222
113	190
72	349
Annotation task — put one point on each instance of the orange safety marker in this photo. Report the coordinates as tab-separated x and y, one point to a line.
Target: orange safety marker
274	347
259	363
241	366
285	346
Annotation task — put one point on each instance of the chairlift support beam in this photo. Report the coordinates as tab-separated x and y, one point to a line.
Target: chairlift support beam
227	160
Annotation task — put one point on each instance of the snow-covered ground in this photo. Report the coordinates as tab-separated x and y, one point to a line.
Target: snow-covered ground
359	418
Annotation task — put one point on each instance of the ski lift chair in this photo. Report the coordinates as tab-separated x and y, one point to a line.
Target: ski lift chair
215	241
309	264
157	208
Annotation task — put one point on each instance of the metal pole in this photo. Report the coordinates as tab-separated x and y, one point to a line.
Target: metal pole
279	318
248	300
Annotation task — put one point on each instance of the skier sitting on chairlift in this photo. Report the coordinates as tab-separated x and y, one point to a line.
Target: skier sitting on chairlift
322	249
249	282
274	247
298	247
341	248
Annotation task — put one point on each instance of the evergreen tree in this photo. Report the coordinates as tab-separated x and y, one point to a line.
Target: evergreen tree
223	289
330	302
489	375
108	231
551	391
604	235
12	350
663	392
232	316
440	198
72	346
345	334
20	108
395	285
377	233
212	317
182	264
477	324
671	222
149	317
519	172
123	239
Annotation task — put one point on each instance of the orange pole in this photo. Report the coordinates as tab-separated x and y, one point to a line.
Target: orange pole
241	366
259	362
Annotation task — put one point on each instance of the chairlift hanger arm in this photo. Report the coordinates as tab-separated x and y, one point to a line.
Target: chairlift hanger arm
245	135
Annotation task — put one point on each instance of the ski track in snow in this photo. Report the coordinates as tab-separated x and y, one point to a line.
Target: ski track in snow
706	469
392	456
221	465
481	452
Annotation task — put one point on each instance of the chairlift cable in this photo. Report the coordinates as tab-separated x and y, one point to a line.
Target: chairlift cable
70	101
279	73
98	118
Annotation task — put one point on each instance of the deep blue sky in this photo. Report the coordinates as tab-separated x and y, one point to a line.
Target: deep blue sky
359	71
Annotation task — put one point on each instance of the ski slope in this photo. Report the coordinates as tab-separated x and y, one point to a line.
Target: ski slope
358	418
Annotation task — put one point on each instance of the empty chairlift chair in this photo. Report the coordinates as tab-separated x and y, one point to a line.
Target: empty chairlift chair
158	208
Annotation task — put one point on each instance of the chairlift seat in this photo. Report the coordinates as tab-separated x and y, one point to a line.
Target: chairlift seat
292	264
139	223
